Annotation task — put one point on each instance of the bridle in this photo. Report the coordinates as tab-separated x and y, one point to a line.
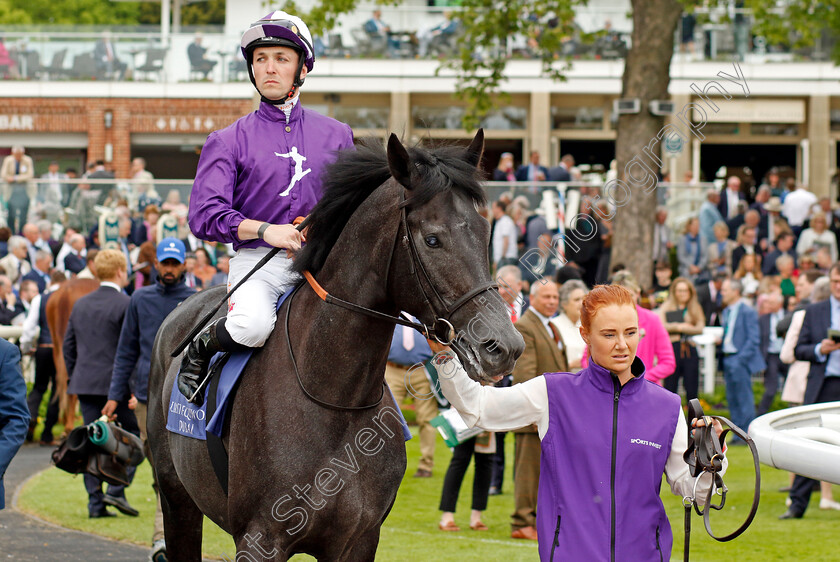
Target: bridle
442	329
705	455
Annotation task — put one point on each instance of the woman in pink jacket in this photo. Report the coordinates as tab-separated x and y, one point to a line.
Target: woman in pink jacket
655	347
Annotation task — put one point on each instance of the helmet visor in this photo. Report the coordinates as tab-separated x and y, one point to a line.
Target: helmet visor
263	31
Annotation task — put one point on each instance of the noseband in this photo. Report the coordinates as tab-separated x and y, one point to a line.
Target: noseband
442	318
441	330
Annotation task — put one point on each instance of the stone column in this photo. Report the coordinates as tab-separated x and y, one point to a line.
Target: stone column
818	134
539	128
399	119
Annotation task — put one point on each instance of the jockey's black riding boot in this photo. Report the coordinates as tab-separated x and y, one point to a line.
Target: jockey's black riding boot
212	339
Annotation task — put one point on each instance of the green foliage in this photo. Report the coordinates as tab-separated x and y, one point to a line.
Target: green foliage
72	12
211	12
105	12
487	27
12	15
796	23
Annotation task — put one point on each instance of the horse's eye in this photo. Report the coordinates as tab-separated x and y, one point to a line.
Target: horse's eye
432	241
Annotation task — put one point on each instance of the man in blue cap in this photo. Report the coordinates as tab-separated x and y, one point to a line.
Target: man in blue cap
148	308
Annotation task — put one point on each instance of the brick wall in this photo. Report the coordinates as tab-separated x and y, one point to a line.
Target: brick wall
129	115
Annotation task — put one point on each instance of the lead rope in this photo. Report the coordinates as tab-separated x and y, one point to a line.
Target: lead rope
705	455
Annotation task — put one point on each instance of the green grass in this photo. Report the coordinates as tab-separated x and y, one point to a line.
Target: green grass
410	532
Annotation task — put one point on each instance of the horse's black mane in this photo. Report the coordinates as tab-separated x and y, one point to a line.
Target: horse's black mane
357	173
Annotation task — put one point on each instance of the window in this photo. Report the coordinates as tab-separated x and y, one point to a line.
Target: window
363	117
590	118
835	119
788	129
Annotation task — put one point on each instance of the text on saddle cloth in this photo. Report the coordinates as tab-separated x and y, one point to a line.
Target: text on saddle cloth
190	420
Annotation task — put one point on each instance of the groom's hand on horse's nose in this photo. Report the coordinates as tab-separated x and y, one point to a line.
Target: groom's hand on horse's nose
109	409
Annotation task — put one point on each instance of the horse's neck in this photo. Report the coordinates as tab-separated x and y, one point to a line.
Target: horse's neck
345	349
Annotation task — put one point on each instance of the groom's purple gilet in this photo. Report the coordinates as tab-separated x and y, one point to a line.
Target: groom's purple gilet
603	456
244	169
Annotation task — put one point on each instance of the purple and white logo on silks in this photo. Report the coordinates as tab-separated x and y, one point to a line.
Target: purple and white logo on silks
298	159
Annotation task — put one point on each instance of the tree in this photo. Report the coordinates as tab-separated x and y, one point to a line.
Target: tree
646	77
73	12
11	15
489	25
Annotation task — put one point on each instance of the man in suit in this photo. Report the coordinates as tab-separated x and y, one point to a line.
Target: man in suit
45	238
75	260
729	197
663	238
710	298
784	246
406	375
14	264
380	34
105	58
533	171
51	192
563	171
42	348
771	346
40	272
90	345
17	171
741	354
10	306
509	279
544	353
747	236
98	172
14	415
823	353
734	223
198	59
222	270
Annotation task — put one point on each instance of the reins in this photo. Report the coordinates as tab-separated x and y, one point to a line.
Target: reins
705	455
327	405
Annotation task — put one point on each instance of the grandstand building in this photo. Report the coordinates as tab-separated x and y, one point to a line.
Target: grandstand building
162	110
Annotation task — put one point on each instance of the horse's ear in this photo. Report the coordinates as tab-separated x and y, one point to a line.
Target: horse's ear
476	148
398	161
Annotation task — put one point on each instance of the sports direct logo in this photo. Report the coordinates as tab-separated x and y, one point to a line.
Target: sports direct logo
648	443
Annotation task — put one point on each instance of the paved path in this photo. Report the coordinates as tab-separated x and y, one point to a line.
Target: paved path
24	538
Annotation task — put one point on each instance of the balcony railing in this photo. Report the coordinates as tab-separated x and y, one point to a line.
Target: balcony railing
144	54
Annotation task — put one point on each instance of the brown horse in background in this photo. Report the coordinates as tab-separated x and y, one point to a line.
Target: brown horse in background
58	315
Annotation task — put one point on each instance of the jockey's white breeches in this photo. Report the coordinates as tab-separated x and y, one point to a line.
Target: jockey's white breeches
252	309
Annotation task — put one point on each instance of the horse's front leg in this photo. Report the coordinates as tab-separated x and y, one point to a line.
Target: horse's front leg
362	548
254	546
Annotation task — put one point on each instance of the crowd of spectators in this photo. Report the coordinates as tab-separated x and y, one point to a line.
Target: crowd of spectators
747	267
751	269
50	235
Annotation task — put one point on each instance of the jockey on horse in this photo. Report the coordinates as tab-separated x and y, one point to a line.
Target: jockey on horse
253	179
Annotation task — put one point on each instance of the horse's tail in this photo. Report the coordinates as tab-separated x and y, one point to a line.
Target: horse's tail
58	312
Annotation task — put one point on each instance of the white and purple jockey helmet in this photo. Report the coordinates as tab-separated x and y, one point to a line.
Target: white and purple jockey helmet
279	29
